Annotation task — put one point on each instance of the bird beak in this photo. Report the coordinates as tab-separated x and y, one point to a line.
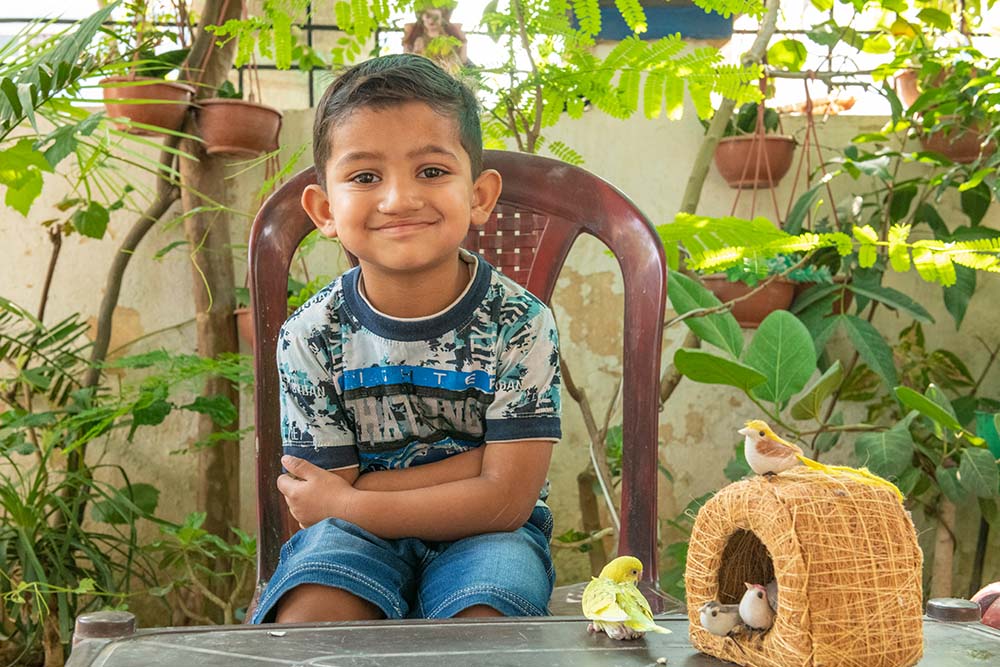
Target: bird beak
745	431
749	586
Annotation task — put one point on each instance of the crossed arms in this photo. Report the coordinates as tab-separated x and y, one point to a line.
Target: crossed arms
489	489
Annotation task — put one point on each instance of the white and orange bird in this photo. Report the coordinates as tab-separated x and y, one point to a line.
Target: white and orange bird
767	454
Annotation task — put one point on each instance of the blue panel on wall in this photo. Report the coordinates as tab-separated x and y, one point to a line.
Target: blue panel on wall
690	22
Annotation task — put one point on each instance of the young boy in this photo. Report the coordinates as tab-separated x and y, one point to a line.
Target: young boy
420	390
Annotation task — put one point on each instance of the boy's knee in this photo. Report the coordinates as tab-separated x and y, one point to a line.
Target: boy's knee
308	603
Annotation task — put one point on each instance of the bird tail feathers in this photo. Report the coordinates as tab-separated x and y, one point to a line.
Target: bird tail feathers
861	474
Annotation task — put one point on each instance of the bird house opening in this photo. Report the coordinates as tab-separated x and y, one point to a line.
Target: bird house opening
744	560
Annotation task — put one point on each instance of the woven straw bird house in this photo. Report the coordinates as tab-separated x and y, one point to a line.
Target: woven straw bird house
845	558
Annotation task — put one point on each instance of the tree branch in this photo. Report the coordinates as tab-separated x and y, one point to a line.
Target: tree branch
702	161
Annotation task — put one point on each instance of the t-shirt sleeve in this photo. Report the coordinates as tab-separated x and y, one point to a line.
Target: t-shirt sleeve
526	403
314	424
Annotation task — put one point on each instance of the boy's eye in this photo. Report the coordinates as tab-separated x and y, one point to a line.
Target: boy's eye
366	178
433	172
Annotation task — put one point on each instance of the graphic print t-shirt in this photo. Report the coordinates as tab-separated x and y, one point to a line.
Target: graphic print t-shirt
361	388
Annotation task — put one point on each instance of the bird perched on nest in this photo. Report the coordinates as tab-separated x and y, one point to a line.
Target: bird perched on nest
755	610
768	454
614	604
719	619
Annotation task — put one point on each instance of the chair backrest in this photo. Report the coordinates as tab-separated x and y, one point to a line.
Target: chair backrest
545	205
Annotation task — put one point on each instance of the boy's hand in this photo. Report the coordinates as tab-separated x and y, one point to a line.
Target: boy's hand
313	494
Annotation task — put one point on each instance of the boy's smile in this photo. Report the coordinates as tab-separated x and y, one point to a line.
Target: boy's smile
400	197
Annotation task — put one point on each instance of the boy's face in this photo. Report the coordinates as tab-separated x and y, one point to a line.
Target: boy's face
399	190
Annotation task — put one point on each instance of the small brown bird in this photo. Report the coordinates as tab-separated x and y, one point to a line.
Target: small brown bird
767	453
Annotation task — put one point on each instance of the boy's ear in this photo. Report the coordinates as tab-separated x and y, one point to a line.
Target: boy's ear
485	193
317	206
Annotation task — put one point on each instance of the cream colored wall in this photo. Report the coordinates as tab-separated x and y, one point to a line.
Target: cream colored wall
648	160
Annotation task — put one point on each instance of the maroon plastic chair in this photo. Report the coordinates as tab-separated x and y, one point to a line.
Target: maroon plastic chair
545	205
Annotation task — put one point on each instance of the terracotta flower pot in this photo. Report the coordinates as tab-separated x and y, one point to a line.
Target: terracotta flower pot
958	144
130	98
238	128
906	86
776	295
244	325
747	162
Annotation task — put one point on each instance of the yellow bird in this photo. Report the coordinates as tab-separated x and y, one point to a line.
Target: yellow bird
767	454
615	606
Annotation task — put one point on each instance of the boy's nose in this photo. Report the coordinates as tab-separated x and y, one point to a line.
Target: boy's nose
399	197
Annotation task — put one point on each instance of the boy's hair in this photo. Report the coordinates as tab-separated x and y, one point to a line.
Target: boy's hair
389	81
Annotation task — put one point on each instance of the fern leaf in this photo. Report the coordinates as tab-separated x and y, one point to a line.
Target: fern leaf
727	8
628	90
282	22
632	12
699	234
653	94
588	14
661	51
899	255
674	96
868	252
932	263
565	153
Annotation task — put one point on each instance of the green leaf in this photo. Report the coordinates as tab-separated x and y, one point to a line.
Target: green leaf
899	253
91	221
721	329
988	508
978	471
783	351
127	505
887	453
935	17
871	347
902	197
796	217
951	487
957	296
894	299
218	407
810	405
975	202
928	408
789	54
907	481
709	369
737	468
867	252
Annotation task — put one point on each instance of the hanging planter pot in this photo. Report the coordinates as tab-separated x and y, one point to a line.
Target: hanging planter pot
237	128
146	101
776	295
753	161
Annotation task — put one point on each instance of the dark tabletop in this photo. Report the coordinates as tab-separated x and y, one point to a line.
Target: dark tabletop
549	642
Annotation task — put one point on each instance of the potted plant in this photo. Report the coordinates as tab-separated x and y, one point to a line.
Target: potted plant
143	95
959	102
298	293
750	156
764	286
232	126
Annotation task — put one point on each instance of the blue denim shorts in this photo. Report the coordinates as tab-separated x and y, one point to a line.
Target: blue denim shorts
410	578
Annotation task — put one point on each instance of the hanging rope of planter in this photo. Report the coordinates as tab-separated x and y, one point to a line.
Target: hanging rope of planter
846	561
